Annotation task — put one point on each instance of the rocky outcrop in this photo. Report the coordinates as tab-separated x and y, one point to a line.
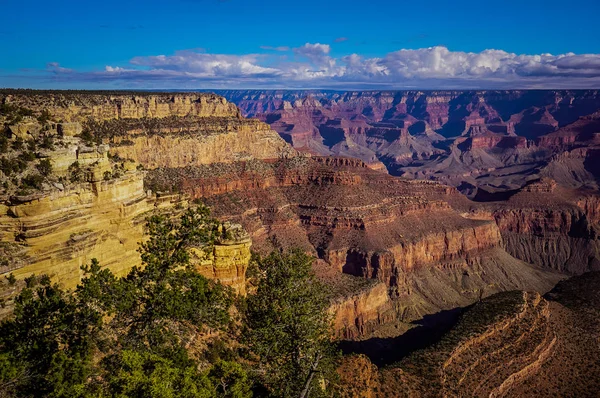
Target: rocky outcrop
61	230
93	201
358	306
154	129
228	260
362	312
431	248
408	238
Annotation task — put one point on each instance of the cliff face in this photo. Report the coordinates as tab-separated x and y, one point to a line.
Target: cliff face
228	261
60	231
79	106
552	226
224	140
156	130
432	247
358	306
91	203
63	230
363	312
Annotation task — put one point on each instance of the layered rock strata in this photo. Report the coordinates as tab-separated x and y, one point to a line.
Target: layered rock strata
410	239
409	236
100	212
74	106
224	140
552	226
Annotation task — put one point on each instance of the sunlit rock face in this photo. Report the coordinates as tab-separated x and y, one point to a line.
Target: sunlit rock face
79	106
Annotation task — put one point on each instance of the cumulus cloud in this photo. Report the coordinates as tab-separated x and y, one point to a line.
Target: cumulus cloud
199	65
317	53
313	65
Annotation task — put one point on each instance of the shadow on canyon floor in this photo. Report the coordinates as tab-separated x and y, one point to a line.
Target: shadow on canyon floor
385	351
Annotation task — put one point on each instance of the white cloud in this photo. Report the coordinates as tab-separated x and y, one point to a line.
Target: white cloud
206	65
314	66
316	53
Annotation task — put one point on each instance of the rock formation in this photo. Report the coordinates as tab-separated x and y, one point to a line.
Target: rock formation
78	106
410	236
219	140
553	226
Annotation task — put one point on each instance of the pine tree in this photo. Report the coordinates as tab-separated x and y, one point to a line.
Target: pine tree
288	327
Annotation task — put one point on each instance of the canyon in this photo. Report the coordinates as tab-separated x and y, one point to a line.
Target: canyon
413	204
481	142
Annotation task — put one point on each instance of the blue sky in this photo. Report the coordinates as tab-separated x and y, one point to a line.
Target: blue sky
297	44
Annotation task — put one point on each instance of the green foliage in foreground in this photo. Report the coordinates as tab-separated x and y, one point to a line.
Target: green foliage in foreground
138	335
288	327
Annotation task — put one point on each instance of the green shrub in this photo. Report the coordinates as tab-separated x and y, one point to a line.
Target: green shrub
3	143
31	146
27	156
47	142
44	117
76	174
11	279
33	181
44	167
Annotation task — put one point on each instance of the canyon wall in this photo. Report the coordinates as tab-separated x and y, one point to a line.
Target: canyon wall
552	226
421	242
420	245
223	140
57	232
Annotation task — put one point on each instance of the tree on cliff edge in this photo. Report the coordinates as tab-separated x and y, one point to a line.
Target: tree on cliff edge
288	327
